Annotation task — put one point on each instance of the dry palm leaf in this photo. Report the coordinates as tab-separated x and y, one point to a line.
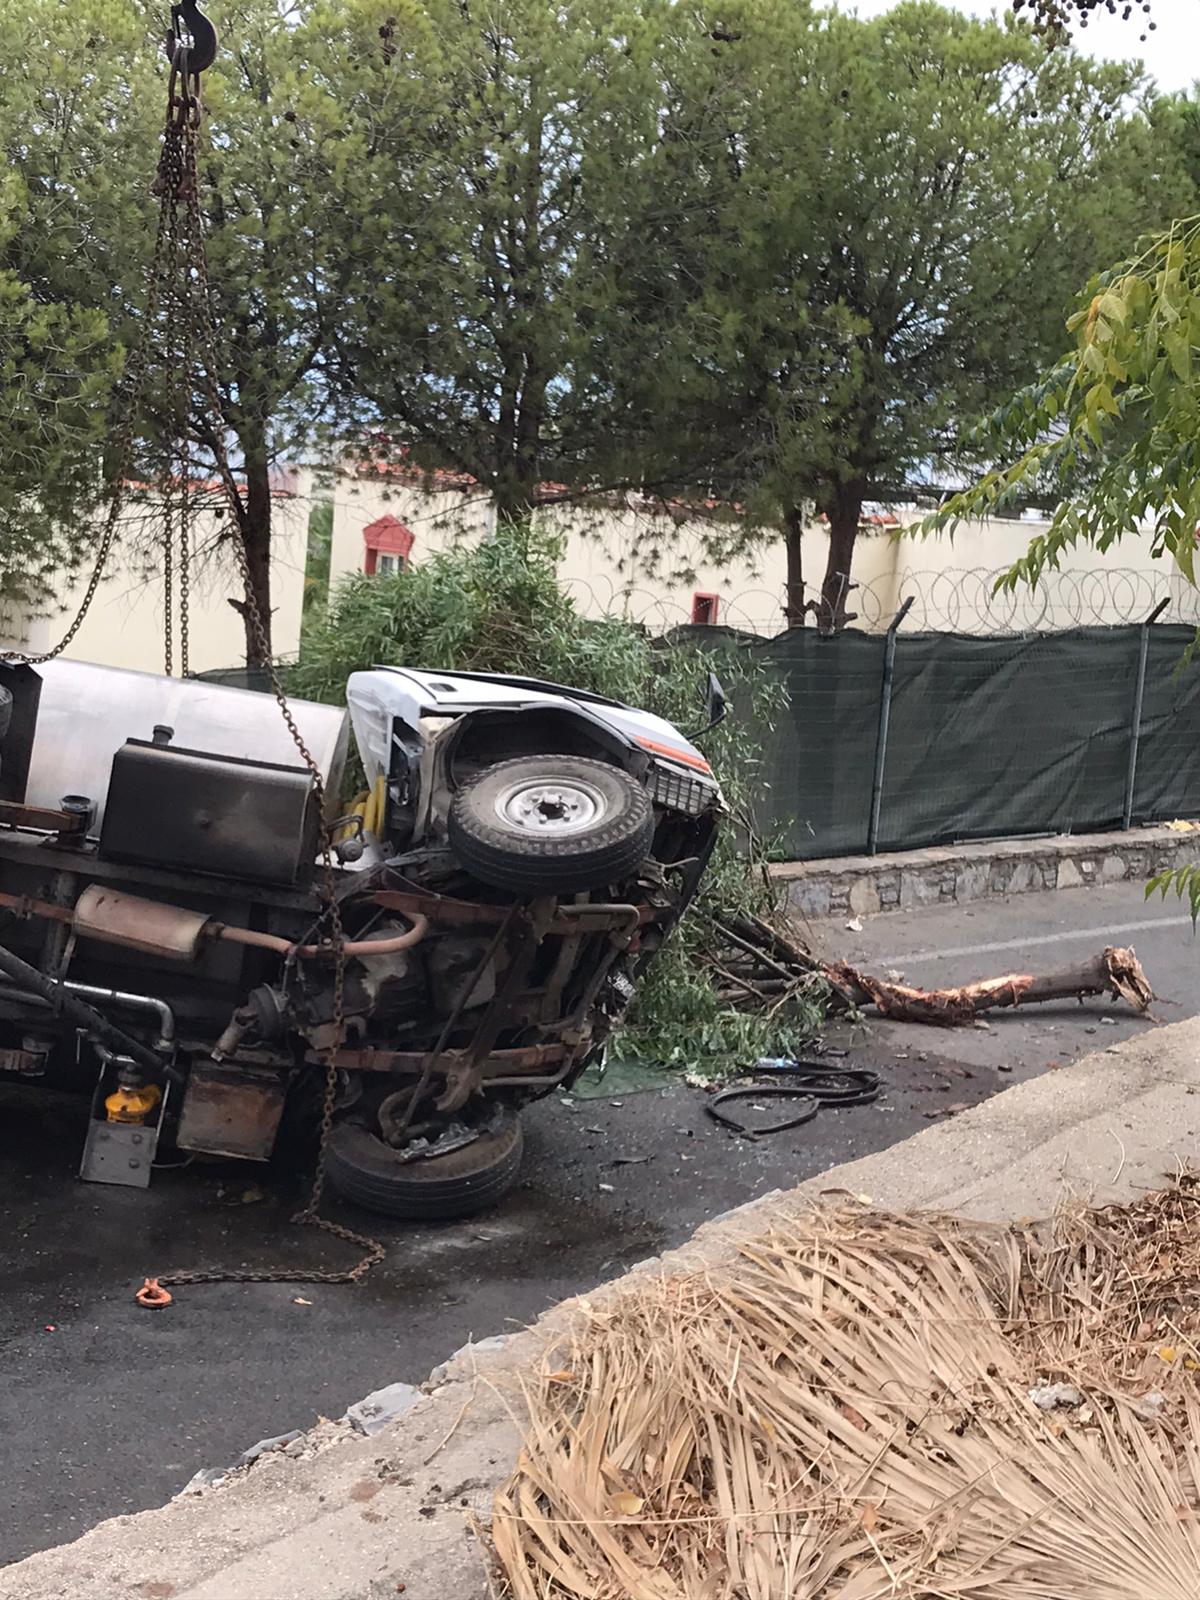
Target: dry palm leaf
846	1415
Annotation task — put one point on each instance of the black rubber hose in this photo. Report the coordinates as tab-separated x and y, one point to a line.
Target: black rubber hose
771	1091
812	1083
832	1086
79	1011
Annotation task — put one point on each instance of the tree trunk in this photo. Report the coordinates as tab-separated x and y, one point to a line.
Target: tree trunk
794	606
756	964
255	526
843	507
1115	971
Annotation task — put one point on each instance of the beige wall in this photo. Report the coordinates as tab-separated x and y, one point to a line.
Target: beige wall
952	578
629	560
124	626
636	562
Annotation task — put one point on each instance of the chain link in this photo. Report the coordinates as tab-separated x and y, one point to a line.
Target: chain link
199	299
185	573
168	544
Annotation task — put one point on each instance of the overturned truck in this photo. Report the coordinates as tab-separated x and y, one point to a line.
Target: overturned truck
524	850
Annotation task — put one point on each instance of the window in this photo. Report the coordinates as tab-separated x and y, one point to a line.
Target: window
388	545
705	608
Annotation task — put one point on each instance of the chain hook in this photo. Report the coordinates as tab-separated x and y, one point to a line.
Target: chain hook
191	47
193	33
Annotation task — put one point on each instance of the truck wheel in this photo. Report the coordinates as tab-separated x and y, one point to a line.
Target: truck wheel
371	1174
551	825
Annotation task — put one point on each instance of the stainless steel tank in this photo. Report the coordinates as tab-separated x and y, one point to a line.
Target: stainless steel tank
87	712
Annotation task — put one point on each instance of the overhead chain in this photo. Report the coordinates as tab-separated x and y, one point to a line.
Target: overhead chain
185	575
183	106
183	128
168	544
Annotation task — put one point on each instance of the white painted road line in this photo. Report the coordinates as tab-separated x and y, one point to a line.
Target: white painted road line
1108	933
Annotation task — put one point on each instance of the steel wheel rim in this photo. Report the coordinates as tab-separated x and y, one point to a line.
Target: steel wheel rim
551	808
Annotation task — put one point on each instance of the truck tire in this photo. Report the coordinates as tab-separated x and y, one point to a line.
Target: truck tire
371	1174
551	825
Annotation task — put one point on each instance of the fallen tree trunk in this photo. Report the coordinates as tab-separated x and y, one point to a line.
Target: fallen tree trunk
1116	971
756	964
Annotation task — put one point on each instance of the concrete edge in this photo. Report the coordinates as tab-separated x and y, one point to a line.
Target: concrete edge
991	869
349	1517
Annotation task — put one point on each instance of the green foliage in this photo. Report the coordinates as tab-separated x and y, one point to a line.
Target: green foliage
498	607
679	1020
1124	404
1185	881
770	252
62	330
503	161
50	438
317	557
1112	429
82	101
888	249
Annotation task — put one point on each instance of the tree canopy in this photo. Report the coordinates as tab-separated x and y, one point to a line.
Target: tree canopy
905	211
1110	431
81	128
64	133
773	254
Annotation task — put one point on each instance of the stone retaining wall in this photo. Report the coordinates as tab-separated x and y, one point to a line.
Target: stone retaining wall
867	885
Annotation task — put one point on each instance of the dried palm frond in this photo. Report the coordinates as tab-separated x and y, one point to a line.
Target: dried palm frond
846	1415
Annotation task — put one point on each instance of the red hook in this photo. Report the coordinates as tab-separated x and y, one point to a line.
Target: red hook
153	1295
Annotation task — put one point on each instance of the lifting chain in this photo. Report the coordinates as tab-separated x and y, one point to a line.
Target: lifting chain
178	288
169	186
183	126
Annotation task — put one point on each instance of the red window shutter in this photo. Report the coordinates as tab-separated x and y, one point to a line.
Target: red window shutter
705	608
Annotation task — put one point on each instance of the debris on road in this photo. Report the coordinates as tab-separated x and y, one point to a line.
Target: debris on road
707	1443
206	1478
808	1085
266	1447
1047	1396
377	1409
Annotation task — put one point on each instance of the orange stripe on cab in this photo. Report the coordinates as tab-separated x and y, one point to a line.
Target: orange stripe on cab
676	754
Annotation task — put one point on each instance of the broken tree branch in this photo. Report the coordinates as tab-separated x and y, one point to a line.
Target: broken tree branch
1116	971
758	964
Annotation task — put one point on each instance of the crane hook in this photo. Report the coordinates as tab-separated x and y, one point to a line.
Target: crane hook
193	35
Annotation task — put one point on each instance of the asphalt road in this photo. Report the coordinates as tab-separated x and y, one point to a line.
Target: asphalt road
106	1408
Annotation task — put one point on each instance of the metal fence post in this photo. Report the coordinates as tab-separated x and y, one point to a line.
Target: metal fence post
1135	726
885	712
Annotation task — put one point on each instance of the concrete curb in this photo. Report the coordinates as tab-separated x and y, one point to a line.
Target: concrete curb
866	885
355	1518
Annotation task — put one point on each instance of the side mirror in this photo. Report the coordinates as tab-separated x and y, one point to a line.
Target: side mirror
715	705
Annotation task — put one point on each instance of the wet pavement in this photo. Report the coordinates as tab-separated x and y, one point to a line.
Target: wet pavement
106	1408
